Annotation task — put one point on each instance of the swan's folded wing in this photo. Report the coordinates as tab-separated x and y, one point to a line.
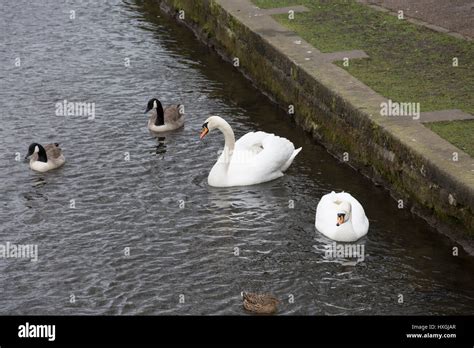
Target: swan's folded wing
276	152
325	212
172	114
251	141
360	222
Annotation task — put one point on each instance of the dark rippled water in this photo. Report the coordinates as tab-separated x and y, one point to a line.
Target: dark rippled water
182	234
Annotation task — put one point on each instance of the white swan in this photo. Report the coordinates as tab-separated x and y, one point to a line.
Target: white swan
255	158
341	217
45	158
163	120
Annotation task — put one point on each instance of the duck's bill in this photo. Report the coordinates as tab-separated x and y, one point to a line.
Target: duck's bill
146	111
204	132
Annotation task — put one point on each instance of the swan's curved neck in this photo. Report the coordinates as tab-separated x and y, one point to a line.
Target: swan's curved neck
229	138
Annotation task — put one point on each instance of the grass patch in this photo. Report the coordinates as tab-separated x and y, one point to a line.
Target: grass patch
458	133
408	62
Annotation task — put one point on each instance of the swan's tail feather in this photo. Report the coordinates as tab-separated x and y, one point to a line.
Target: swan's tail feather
290	160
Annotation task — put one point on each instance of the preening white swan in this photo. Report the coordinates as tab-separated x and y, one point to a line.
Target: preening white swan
341	217
255	158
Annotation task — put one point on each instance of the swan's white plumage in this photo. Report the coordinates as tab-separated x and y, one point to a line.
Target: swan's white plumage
257	157
326	214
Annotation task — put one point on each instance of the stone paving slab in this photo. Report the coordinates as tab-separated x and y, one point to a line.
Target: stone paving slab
281	10
453	17
445	115
338	56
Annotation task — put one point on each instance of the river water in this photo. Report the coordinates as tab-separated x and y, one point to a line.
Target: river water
192	248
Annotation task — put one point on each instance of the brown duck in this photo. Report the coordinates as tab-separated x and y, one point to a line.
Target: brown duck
260	303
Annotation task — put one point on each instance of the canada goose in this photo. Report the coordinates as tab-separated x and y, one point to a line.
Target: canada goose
165	120
255	158
260	303
45	158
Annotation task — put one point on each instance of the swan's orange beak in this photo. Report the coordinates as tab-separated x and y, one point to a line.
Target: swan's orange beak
204	132
340	219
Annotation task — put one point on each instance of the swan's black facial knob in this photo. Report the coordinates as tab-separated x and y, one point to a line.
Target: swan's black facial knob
204	131
340	219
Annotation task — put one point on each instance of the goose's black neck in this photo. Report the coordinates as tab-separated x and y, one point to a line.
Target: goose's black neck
42	154
160	115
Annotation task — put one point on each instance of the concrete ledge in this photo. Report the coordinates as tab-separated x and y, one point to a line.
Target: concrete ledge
342	113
